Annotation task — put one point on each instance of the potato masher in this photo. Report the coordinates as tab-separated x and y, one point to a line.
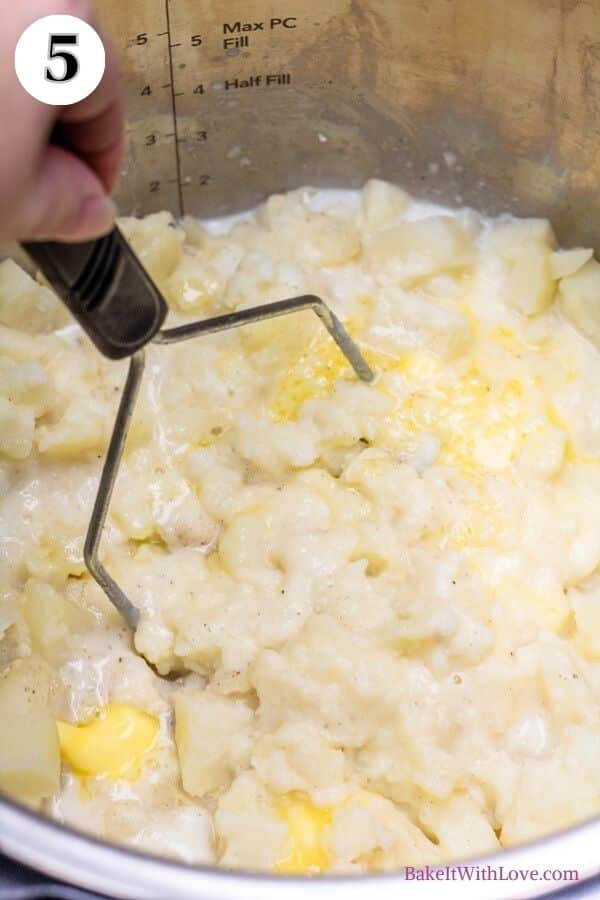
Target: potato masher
110	294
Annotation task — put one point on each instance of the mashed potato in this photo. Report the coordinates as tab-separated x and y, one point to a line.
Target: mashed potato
379	604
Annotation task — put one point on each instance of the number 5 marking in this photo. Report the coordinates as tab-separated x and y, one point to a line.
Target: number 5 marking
70	60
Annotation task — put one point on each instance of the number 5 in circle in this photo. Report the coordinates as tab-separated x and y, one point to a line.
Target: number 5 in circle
70	60
60	60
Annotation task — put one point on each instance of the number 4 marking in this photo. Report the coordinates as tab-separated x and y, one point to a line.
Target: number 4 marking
70	60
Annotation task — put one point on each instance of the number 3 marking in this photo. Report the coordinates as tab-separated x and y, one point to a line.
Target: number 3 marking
70	60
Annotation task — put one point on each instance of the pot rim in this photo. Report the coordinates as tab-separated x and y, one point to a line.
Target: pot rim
79	859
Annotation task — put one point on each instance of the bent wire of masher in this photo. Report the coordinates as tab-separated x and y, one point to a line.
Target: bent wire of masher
113	298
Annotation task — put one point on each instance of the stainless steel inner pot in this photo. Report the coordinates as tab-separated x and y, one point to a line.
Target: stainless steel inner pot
491	104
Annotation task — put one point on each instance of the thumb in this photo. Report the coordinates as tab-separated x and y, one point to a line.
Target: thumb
66	201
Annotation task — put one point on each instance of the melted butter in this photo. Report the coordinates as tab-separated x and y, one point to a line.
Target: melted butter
306	824
480	429
311	376
111	745
314	374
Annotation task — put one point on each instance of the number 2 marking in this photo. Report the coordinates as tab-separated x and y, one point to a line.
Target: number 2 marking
70	60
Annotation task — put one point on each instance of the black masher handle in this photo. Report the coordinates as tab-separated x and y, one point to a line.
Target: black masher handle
107	290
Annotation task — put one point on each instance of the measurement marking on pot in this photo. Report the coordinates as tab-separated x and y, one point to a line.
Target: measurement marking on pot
174	109
240	30
254	81
191	144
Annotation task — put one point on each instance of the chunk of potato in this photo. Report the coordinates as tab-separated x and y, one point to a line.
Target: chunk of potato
26	384
525	248
585	602
579	299
9	610
52	620
530	288
508	236
19	347
157	242
29	755
193	286
409	251
244	543
81	429
567	262
25	686
17	426
29	751
25	304
317	238
53	559
280	209
461	827
382	203
324	240
213	737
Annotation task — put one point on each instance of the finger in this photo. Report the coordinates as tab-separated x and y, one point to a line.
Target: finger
99	142
66	202
26	123
94	129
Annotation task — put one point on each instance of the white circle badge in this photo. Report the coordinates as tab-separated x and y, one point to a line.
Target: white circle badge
60	60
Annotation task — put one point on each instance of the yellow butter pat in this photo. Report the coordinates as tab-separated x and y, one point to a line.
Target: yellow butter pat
306	824
112	745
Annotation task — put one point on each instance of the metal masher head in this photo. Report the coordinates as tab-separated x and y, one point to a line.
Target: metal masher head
110	470
114	299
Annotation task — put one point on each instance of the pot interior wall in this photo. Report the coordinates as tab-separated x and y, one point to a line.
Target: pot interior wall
496	105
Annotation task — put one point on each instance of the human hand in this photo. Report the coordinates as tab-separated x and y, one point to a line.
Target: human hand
51	192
